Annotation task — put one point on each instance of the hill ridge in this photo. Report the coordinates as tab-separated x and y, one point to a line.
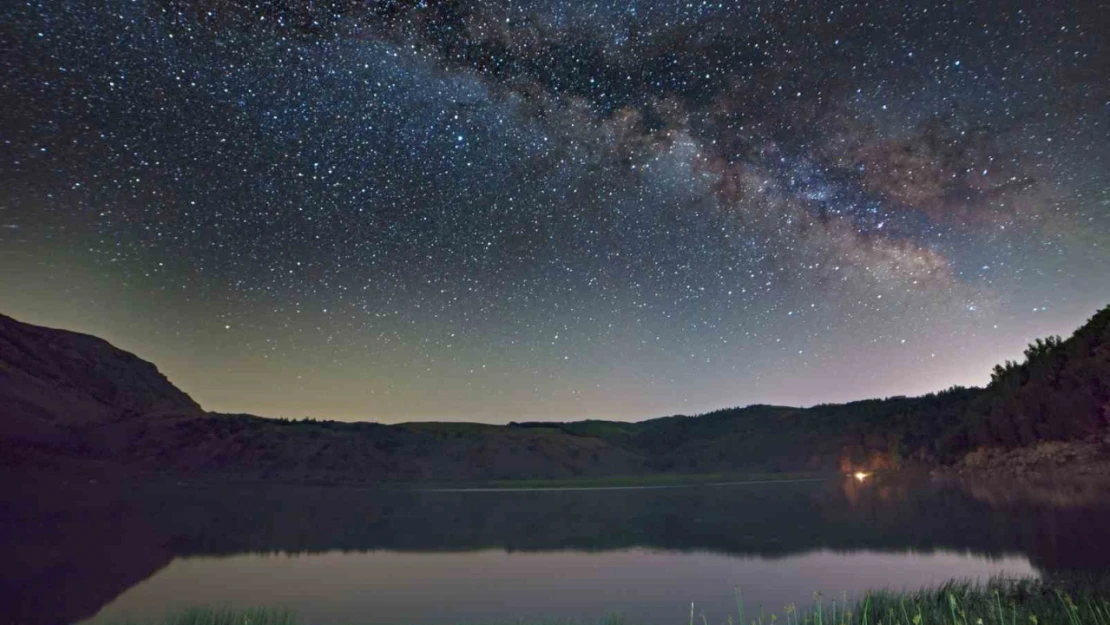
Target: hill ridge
68	395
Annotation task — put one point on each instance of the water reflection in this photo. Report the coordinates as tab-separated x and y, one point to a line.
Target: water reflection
495	586
72	549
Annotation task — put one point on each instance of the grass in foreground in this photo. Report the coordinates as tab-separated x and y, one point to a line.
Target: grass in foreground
219	616
999	602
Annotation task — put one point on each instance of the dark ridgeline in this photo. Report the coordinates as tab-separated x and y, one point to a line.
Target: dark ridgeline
71	548
70	401
55	382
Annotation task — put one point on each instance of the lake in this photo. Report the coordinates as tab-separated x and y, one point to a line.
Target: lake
82	551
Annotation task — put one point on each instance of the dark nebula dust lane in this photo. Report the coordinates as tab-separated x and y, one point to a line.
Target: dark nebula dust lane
511	210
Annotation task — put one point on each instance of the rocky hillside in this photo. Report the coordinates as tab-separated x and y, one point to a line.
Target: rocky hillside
68	378
53	381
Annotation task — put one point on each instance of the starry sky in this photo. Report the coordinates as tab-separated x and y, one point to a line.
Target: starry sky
554	209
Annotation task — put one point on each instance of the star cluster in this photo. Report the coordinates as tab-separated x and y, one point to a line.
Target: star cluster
505	210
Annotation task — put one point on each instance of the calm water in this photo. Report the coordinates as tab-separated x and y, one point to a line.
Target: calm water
343	555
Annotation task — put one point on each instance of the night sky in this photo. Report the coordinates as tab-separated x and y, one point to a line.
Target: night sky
554	209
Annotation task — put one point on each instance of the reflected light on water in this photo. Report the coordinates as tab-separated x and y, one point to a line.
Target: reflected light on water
648	586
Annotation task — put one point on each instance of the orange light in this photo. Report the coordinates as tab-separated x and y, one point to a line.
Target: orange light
861	476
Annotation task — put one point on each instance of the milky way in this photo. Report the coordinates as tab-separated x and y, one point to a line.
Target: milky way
552	210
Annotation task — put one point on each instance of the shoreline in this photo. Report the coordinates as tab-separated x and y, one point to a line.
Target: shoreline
1052	460
1086	461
